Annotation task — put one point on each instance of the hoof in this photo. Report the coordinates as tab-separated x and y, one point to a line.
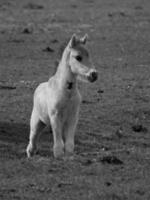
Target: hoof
30	151
68	158
58	151
69	149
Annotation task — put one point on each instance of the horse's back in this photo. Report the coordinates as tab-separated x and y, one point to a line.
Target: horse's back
41	90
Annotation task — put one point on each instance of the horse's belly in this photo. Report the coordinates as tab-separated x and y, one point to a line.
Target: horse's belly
43	114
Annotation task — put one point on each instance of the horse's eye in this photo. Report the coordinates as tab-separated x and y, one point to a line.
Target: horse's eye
79	58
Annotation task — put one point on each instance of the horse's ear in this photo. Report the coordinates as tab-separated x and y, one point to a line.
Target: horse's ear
73	41
84	39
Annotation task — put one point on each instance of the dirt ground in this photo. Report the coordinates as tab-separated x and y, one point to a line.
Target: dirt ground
112	144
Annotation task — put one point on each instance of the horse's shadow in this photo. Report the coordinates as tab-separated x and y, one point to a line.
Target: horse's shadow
14	138
14	132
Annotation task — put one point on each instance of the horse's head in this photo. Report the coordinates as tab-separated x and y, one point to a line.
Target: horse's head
79	59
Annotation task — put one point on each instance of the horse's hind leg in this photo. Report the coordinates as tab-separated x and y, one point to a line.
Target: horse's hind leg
36	126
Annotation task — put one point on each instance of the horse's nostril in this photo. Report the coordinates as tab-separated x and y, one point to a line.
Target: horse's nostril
93	76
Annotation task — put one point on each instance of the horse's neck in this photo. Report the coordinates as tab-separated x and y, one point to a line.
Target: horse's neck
64	74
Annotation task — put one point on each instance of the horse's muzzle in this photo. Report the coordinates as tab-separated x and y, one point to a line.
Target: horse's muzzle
93	76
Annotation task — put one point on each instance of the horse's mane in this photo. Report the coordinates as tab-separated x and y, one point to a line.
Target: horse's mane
62	48
59	54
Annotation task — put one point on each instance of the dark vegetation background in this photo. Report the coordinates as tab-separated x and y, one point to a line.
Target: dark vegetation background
112	152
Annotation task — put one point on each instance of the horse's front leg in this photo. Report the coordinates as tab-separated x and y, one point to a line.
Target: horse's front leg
56	124
69	132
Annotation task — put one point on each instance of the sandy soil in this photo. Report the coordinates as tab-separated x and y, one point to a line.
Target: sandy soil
112	151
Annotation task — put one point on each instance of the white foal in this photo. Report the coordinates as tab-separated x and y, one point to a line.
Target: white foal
57	101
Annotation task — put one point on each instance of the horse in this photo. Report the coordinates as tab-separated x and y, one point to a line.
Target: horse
56	102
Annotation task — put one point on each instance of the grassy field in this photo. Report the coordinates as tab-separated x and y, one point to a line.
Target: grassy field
112	144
